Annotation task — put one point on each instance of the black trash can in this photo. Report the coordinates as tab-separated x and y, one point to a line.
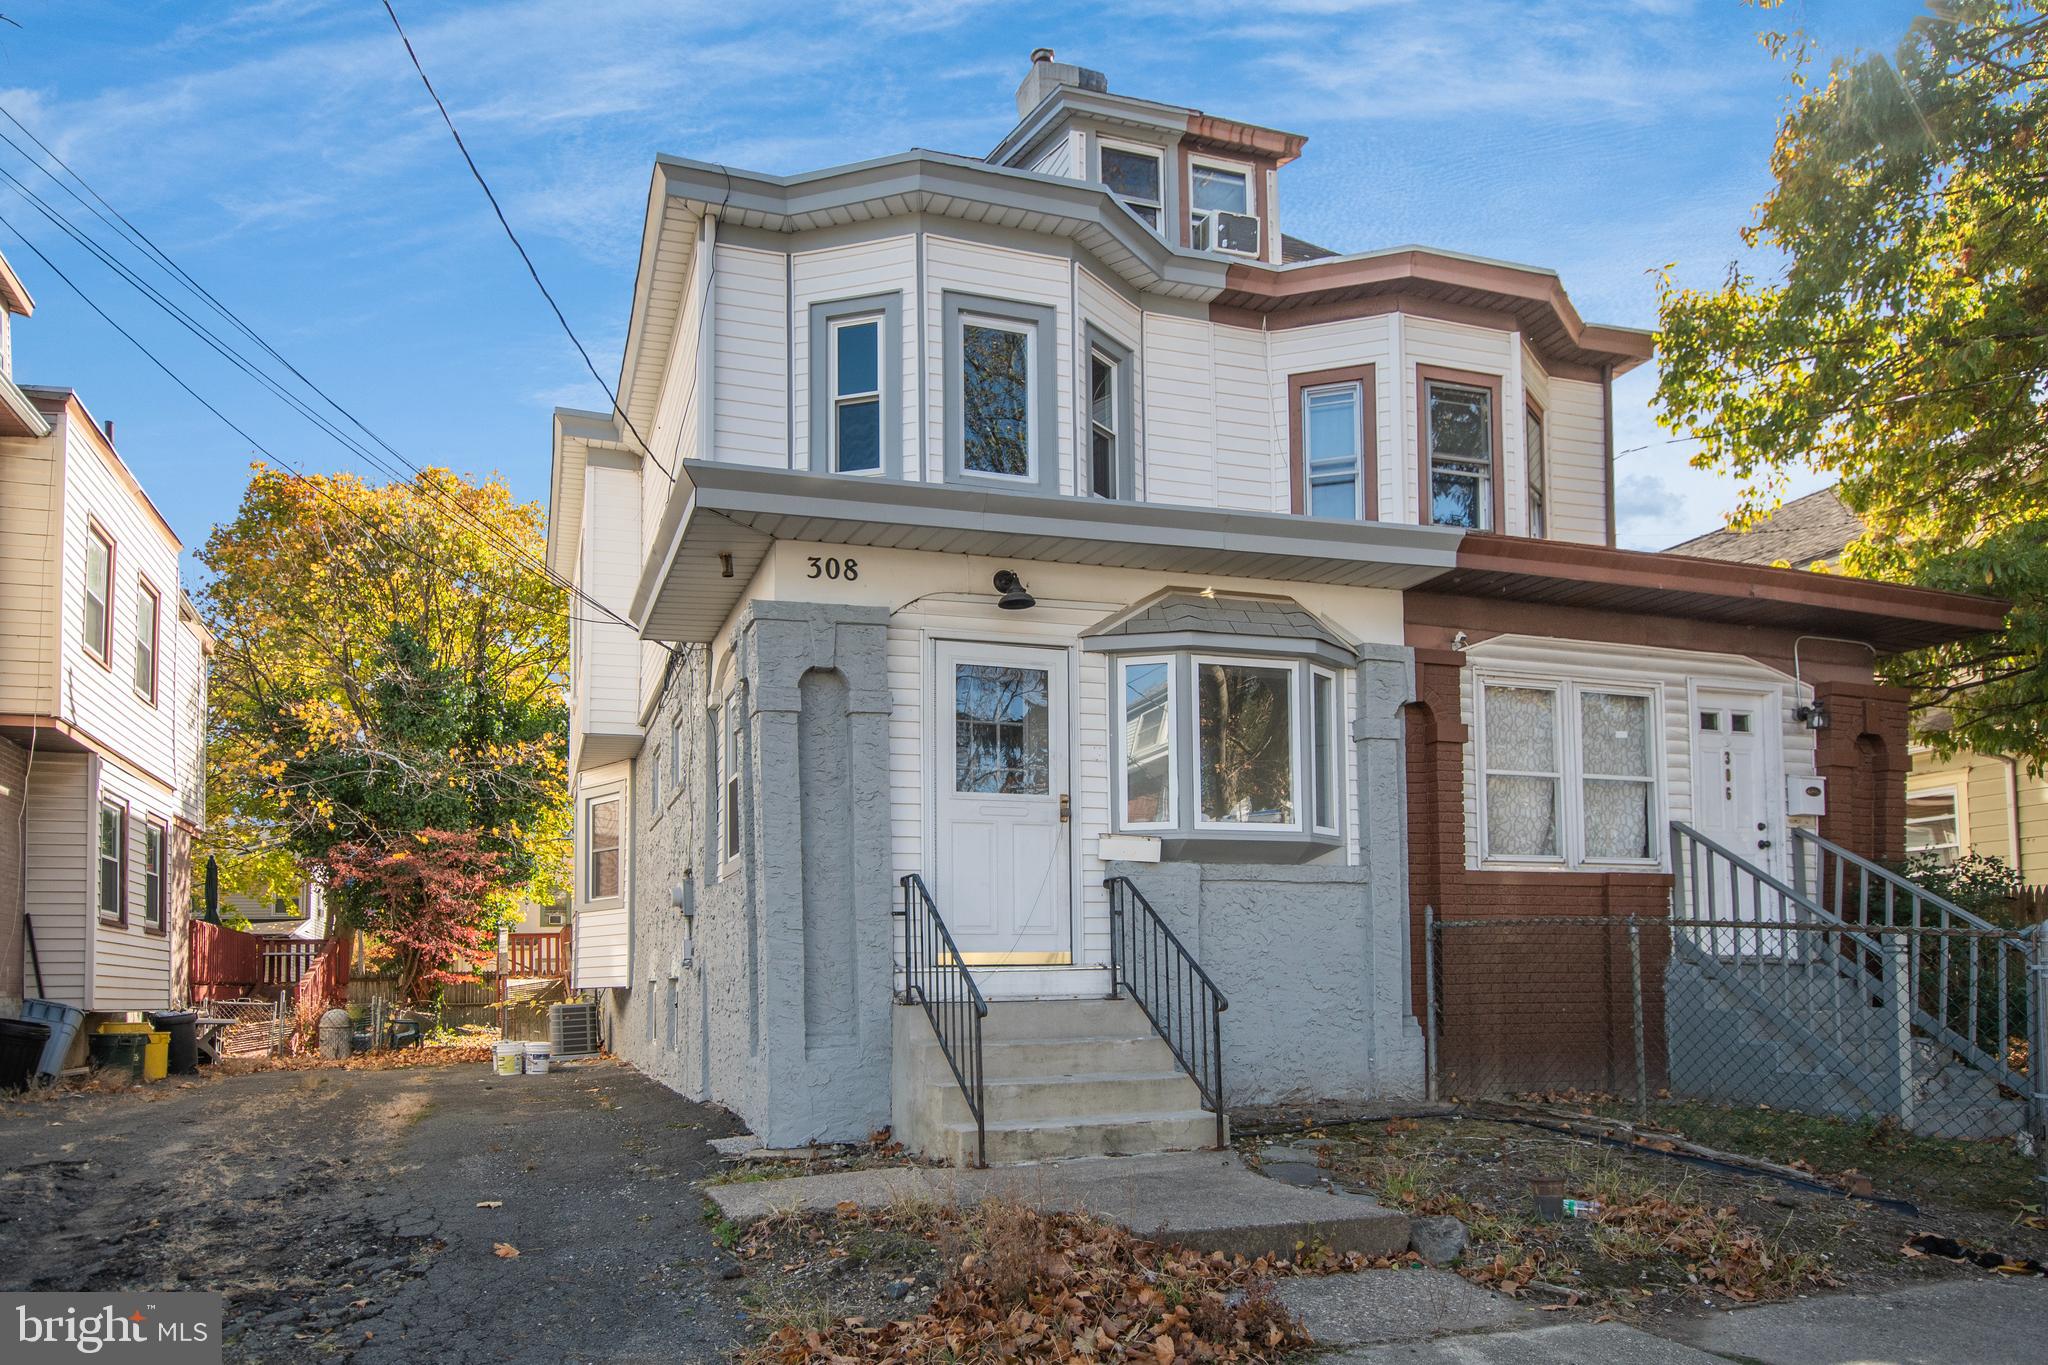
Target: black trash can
118	1052
183	1026
21	1050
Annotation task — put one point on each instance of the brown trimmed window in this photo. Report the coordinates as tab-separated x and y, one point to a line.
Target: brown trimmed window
156	851
113	862
99	594
1460	425
1331	454
148	616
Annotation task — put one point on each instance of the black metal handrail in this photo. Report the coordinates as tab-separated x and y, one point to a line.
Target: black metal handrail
936	977
1148	959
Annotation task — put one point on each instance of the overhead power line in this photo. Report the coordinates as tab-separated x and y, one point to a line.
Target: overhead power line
518	246
125	228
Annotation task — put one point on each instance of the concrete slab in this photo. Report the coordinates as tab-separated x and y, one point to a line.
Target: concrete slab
1372	1307
1987	1321
1203	1199
1608	1343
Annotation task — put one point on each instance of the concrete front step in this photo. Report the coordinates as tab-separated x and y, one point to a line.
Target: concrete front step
1034	1058
1068	1097
1016	1020
1013	1142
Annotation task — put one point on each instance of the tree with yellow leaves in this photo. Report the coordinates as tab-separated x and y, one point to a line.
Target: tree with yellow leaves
391	662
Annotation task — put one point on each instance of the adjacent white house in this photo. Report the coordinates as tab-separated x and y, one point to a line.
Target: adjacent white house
1039	583
103	665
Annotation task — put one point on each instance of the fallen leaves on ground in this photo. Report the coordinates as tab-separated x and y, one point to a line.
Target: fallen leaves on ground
504	1250
1027	1285
1717	1247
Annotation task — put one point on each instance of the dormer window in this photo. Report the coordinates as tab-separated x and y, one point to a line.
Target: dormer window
1220	209
1132	174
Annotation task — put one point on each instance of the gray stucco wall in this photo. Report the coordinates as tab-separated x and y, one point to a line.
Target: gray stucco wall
781	1010
1313	958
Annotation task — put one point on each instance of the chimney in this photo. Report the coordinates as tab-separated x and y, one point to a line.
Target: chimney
1047	75
108	427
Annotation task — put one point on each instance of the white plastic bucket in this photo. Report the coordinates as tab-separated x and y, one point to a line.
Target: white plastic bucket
538	1055
507	1058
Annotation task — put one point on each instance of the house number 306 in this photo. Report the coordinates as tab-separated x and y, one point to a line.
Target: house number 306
835	567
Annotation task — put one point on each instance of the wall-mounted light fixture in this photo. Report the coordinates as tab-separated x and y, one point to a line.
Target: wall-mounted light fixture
1813	715
1016	597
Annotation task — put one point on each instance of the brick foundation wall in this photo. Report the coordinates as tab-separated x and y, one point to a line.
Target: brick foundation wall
1863	755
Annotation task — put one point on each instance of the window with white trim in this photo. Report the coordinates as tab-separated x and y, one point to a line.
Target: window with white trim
601	847
1133	175
1148	786
148	615
729	770
998	434
1327	768
1220	215
113	861
1246	743
1567	773
156	844
1539	472
1934	827
1460	437
1106	421
99	594
856	426
1333	428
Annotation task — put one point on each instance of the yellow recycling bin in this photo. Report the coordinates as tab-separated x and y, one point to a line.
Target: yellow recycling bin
156	1057
122	1026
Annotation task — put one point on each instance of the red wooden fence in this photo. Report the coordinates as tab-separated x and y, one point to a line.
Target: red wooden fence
324	984
225	962
545	954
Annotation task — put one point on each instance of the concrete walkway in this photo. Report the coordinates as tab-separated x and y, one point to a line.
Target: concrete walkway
1202	1199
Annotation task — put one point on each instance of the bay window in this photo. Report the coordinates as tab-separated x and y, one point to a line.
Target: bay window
1567	773
1254	743
1539	472
857	395
856	386
113	861
601	843
1105	422
1333	433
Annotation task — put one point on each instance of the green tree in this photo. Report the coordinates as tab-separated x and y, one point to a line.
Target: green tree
1900	342
386	666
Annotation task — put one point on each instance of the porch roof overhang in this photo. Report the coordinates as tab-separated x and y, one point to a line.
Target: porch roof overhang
1891	618
738	510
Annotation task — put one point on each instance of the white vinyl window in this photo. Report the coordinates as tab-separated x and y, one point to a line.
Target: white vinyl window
1133	175
99	595
1333	431
1148	786
148	613
1105	424
998	393
1220	216
113	861
1247	746
1933	824
856	427
1460	455
1539	473
1568	773
156	845
601	848
1324	748
729	788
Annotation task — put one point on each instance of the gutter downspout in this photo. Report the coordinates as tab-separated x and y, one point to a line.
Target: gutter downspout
2012	813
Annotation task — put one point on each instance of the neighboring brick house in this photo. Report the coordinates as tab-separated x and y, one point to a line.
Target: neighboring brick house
102	712
1007	526
1992	805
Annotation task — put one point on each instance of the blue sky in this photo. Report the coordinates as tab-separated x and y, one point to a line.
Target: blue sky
283	152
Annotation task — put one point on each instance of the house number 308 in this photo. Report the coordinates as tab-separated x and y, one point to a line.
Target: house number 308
835	567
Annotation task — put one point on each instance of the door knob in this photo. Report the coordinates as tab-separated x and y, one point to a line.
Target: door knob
1066	807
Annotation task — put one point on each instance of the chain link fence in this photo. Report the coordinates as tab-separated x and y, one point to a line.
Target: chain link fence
1923	1038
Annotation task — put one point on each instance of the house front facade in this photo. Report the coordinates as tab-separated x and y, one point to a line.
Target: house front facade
103	667
1049	549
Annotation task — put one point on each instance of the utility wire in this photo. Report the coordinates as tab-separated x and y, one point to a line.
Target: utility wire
137	236
531	269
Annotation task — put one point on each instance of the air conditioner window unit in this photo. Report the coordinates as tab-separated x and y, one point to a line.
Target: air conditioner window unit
1217	230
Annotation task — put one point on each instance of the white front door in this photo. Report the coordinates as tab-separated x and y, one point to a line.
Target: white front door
1002	857
1734	786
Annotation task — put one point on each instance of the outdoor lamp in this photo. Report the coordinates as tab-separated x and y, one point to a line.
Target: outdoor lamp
1015	596
1814	715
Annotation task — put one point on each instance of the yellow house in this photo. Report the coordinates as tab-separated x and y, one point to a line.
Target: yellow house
1973	803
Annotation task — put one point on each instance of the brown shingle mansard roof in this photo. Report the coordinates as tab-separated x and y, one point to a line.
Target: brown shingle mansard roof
1806	530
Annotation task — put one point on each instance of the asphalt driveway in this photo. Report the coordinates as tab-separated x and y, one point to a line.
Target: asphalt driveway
339	1212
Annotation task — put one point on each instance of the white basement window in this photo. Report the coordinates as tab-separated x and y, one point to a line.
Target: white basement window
1567	773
